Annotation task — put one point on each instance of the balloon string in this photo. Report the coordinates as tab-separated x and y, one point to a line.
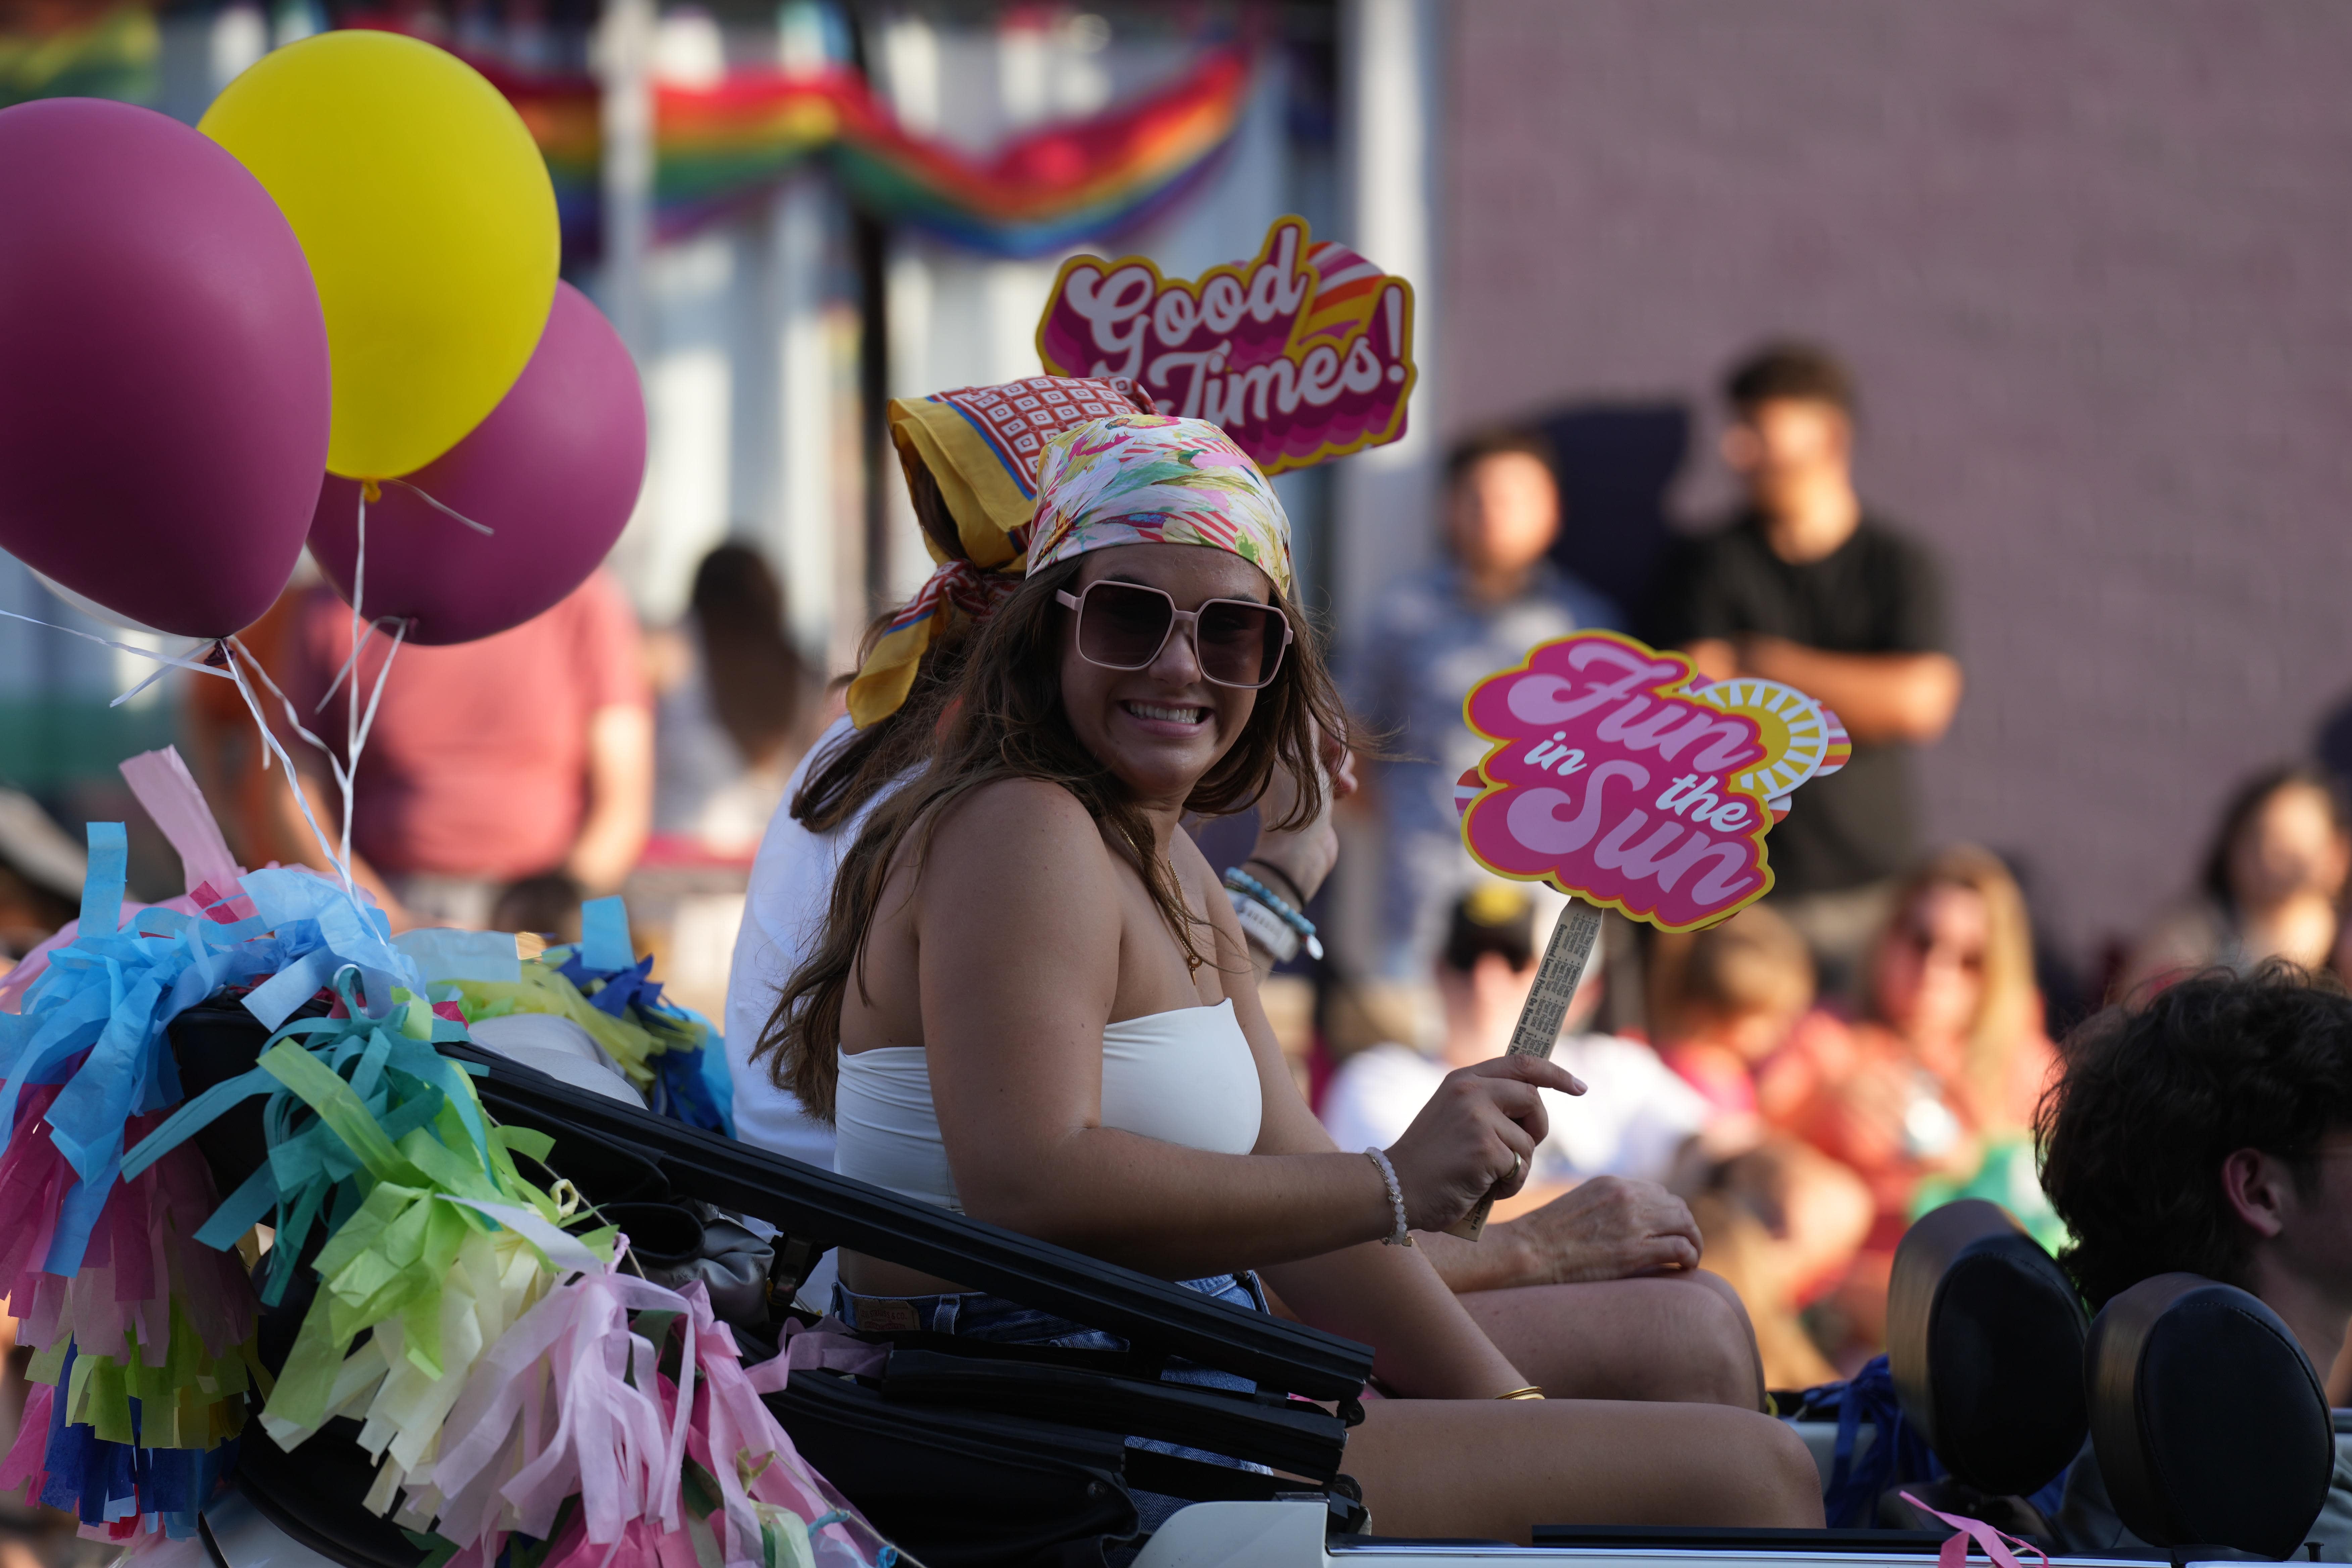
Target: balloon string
359	738
357	725
272	745
161	671
178	661
236	675
351	700
367	635
301	798
484	529
372	489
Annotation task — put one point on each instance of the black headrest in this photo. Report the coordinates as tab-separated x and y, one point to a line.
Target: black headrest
2211	1426
1984	1338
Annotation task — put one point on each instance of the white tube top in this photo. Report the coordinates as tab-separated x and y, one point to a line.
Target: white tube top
1184	1077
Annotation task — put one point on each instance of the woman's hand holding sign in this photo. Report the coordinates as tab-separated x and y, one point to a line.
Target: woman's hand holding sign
1475	1138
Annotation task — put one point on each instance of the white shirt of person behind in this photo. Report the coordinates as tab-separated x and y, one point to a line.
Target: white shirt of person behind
783	917
1632	1120
1635	1113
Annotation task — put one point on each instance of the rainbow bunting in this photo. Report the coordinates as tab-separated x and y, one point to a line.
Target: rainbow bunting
719	145
716	147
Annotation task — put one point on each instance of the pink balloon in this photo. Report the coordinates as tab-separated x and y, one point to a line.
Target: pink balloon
553	473
164	382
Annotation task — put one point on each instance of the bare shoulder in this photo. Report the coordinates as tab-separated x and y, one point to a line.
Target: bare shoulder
1015	834
1205	889
1034	813
1193	868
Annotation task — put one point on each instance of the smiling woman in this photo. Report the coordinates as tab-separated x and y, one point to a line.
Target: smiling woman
1033	1001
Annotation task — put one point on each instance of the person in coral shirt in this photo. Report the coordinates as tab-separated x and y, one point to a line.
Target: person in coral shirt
524	753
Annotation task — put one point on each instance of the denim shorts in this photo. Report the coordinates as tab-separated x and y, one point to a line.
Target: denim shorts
992	1318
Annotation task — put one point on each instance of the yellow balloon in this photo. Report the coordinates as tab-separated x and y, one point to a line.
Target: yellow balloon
424	209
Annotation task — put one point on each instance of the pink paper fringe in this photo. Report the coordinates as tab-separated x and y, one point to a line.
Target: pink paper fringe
568	1404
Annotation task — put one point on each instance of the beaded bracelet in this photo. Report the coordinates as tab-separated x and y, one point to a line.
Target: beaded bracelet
1297	894
1239	881
1263	927
1402	1235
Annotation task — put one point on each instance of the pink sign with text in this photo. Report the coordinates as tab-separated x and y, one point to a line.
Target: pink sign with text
1611	778
1301	355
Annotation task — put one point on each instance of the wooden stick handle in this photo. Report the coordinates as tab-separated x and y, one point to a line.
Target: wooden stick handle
1565	959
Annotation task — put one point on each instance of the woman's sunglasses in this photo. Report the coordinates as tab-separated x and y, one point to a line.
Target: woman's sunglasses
1123	625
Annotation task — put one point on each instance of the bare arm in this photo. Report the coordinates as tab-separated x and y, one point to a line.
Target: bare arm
1390	1298
620	797
1303	856
1018	928
1606	1227
1879	696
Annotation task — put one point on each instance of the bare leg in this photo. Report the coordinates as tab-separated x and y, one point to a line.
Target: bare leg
1497	1469
1754	1264
1676	1337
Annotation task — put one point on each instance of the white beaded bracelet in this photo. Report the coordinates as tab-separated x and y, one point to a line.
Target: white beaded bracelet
1263	927
1402	1235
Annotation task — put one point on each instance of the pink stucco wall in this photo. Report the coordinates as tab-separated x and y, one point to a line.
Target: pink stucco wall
2092	261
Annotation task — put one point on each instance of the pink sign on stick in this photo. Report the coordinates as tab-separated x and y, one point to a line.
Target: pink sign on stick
1301	355
1612	779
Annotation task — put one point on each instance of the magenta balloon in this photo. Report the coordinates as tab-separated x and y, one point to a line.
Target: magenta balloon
163	381
553	473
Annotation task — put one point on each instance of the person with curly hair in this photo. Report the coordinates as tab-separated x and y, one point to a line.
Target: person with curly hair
2209	1132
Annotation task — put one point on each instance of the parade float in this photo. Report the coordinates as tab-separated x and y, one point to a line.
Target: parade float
329	1244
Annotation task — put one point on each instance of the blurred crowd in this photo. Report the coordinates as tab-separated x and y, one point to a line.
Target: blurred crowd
1806	1079
1875	1038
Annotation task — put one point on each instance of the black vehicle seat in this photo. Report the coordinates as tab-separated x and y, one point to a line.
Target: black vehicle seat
2211	1426
1985	1340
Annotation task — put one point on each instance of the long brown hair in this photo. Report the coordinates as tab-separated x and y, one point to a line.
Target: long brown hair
854	770
755	674
1004	719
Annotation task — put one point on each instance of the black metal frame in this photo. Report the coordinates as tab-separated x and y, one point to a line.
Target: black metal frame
817	1205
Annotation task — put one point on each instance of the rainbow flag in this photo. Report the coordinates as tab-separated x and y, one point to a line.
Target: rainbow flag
719	146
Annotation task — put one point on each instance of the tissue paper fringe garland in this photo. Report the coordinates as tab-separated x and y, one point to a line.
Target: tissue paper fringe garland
601	985
509	1393
142	1339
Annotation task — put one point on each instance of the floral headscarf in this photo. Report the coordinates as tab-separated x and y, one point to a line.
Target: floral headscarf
1149	478
981	445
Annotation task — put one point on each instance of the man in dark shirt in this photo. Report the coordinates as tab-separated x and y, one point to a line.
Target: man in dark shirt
1804	588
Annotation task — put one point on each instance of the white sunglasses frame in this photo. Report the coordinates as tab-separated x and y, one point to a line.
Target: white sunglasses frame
1189	620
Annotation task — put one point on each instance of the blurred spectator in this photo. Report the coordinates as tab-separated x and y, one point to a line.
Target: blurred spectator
546	905
1806	588
1933	1096
736	708
1780	1221
41	873
2270	886
1633	1119
1727	999
1427	642
525	752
